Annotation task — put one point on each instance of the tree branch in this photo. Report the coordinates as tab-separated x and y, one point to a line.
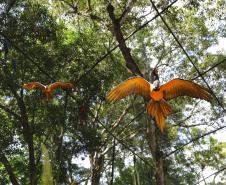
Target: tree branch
134	118
130	63
126	11
116	122
86	13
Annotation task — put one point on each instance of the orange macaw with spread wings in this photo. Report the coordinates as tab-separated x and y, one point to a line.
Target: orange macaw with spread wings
158	107
47	90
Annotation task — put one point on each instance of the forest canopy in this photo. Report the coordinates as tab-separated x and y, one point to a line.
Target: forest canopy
75	136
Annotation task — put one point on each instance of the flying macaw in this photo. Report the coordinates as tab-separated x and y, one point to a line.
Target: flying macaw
158	107
47	89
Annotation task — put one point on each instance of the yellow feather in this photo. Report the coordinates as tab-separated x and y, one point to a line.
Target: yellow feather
135	85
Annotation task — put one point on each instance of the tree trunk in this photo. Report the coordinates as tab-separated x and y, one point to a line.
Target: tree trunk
28	136
26	130
155	151
97	163
9	169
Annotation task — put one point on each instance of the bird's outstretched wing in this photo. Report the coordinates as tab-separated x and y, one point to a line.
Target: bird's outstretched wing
60	85
134	85
179	87
34	85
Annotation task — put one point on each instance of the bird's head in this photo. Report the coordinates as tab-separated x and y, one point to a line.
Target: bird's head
155	74
155	78
156	85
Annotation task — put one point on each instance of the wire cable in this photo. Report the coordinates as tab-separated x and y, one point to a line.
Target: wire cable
211	68
194	139
221	170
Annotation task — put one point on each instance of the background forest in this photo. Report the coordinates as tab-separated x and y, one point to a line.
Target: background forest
78	137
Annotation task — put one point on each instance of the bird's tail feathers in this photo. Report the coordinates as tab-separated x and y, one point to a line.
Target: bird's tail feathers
159	110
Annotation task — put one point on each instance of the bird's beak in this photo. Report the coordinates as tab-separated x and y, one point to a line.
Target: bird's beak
151	87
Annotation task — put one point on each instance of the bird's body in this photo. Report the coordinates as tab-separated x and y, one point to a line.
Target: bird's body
158	107
156	95
47	90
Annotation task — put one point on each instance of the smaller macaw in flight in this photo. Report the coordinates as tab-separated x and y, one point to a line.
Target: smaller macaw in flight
47	89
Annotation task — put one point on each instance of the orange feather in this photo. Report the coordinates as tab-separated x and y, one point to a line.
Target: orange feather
34	85
135	85
60	85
